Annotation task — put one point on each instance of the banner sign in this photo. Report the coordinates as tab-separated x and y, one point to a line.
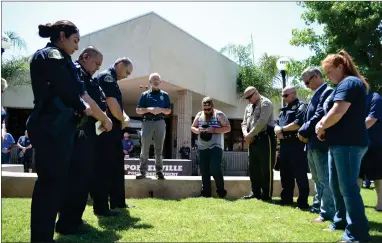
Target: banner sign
171	167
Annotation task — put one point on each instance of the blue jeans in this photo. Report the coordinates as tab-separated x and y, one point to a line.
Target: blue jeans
344	166
319	168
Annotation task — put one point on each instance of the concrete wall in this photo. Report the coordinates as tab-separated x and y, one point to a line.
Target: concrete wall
18	97
174	187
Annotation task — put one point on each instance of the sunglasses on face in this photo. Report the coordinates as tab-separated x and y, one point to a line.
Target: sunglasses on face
249	97
285	95
309	80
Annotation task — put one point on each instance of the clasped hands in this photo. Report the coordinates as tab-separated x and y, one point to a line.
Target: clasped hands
155	110
320	131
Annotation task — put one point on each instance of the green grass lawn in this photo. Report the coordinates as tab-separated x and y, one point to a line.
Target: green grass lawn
192	220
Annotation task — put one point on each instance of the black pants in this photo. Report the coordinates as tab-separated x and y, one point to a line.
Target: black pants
294	167
261	159
210	165
53	149
78	187
109	179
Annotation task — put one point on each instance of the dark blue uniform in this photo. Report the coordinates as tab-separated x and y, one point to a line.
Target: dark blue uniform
84	155
112	157
293	159
371	166
26	159
51	129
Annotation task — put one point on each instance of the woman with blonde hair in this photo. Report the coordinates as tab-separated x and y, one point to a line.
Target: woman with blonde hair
343	128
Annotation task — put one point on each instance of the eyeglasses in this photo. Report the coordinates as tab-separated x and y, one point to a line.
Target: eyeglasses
285	95
249	97
309	80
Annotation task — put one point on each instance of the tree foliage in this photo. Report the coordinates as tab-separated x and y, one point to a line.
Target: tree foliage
16	71
263	75
16	40
260	75
353	26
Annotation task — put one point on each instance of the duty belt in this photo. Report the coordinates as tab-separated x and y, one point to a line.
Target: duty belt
259	135
153	119
291	136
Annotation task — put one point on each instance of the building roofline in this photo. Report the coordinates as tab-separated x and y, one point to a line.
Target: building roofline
154	13
119	23
192	36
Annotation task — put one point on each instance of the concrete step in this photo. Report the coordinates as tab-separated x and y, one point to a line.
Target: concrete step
16	184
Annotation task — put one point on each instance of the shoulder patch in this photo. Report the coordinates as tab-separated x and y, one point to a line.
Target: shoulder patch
55	54
265	103
109	79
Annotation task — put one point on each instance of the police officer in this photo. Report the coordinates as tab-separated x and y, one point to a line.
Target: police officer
84	151
154	104
371	165
53	123
210	124
293	159
111	159
257	128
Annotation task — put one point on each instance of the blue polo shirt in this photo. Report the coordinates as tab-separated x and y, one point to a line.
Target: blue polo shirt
350	130
374	101
127	144
8	141
151	98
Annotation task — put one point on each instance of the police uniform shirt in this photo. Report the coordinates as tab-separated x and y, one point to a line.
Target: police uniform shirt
292	113
108	82
25	142
92	87
257	117
374	101
53	74
350	130
127	144
151	98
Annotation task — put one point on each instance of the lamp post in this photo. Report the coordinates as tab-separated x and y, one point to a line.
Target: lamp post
281	66
5	43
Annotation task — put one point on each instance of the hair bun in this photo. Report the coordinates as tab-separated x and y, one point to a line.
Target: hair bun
45	31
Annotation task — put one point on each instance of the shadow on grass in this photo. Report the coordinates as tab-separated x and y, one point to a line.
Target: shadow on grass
93	235
110	225
376	226
123	221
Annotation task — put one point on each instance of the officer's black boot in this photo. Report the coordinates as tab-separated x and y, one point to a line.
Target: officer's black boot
222	194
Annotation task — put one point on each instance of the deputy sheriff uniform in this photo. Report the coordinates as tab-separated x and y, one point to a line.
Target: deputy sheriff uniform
51	129
83	162
258	123
293	157
153	128
112	157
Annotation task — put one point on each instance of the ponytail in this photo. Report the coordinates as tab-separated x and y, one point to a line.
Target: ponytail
53	31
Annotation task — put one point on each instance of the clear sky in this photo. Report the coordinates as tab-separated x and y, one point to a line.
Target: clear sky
214	23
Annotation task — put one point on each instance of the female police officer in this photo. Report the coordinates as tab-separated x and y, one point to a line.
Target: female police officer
53	123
